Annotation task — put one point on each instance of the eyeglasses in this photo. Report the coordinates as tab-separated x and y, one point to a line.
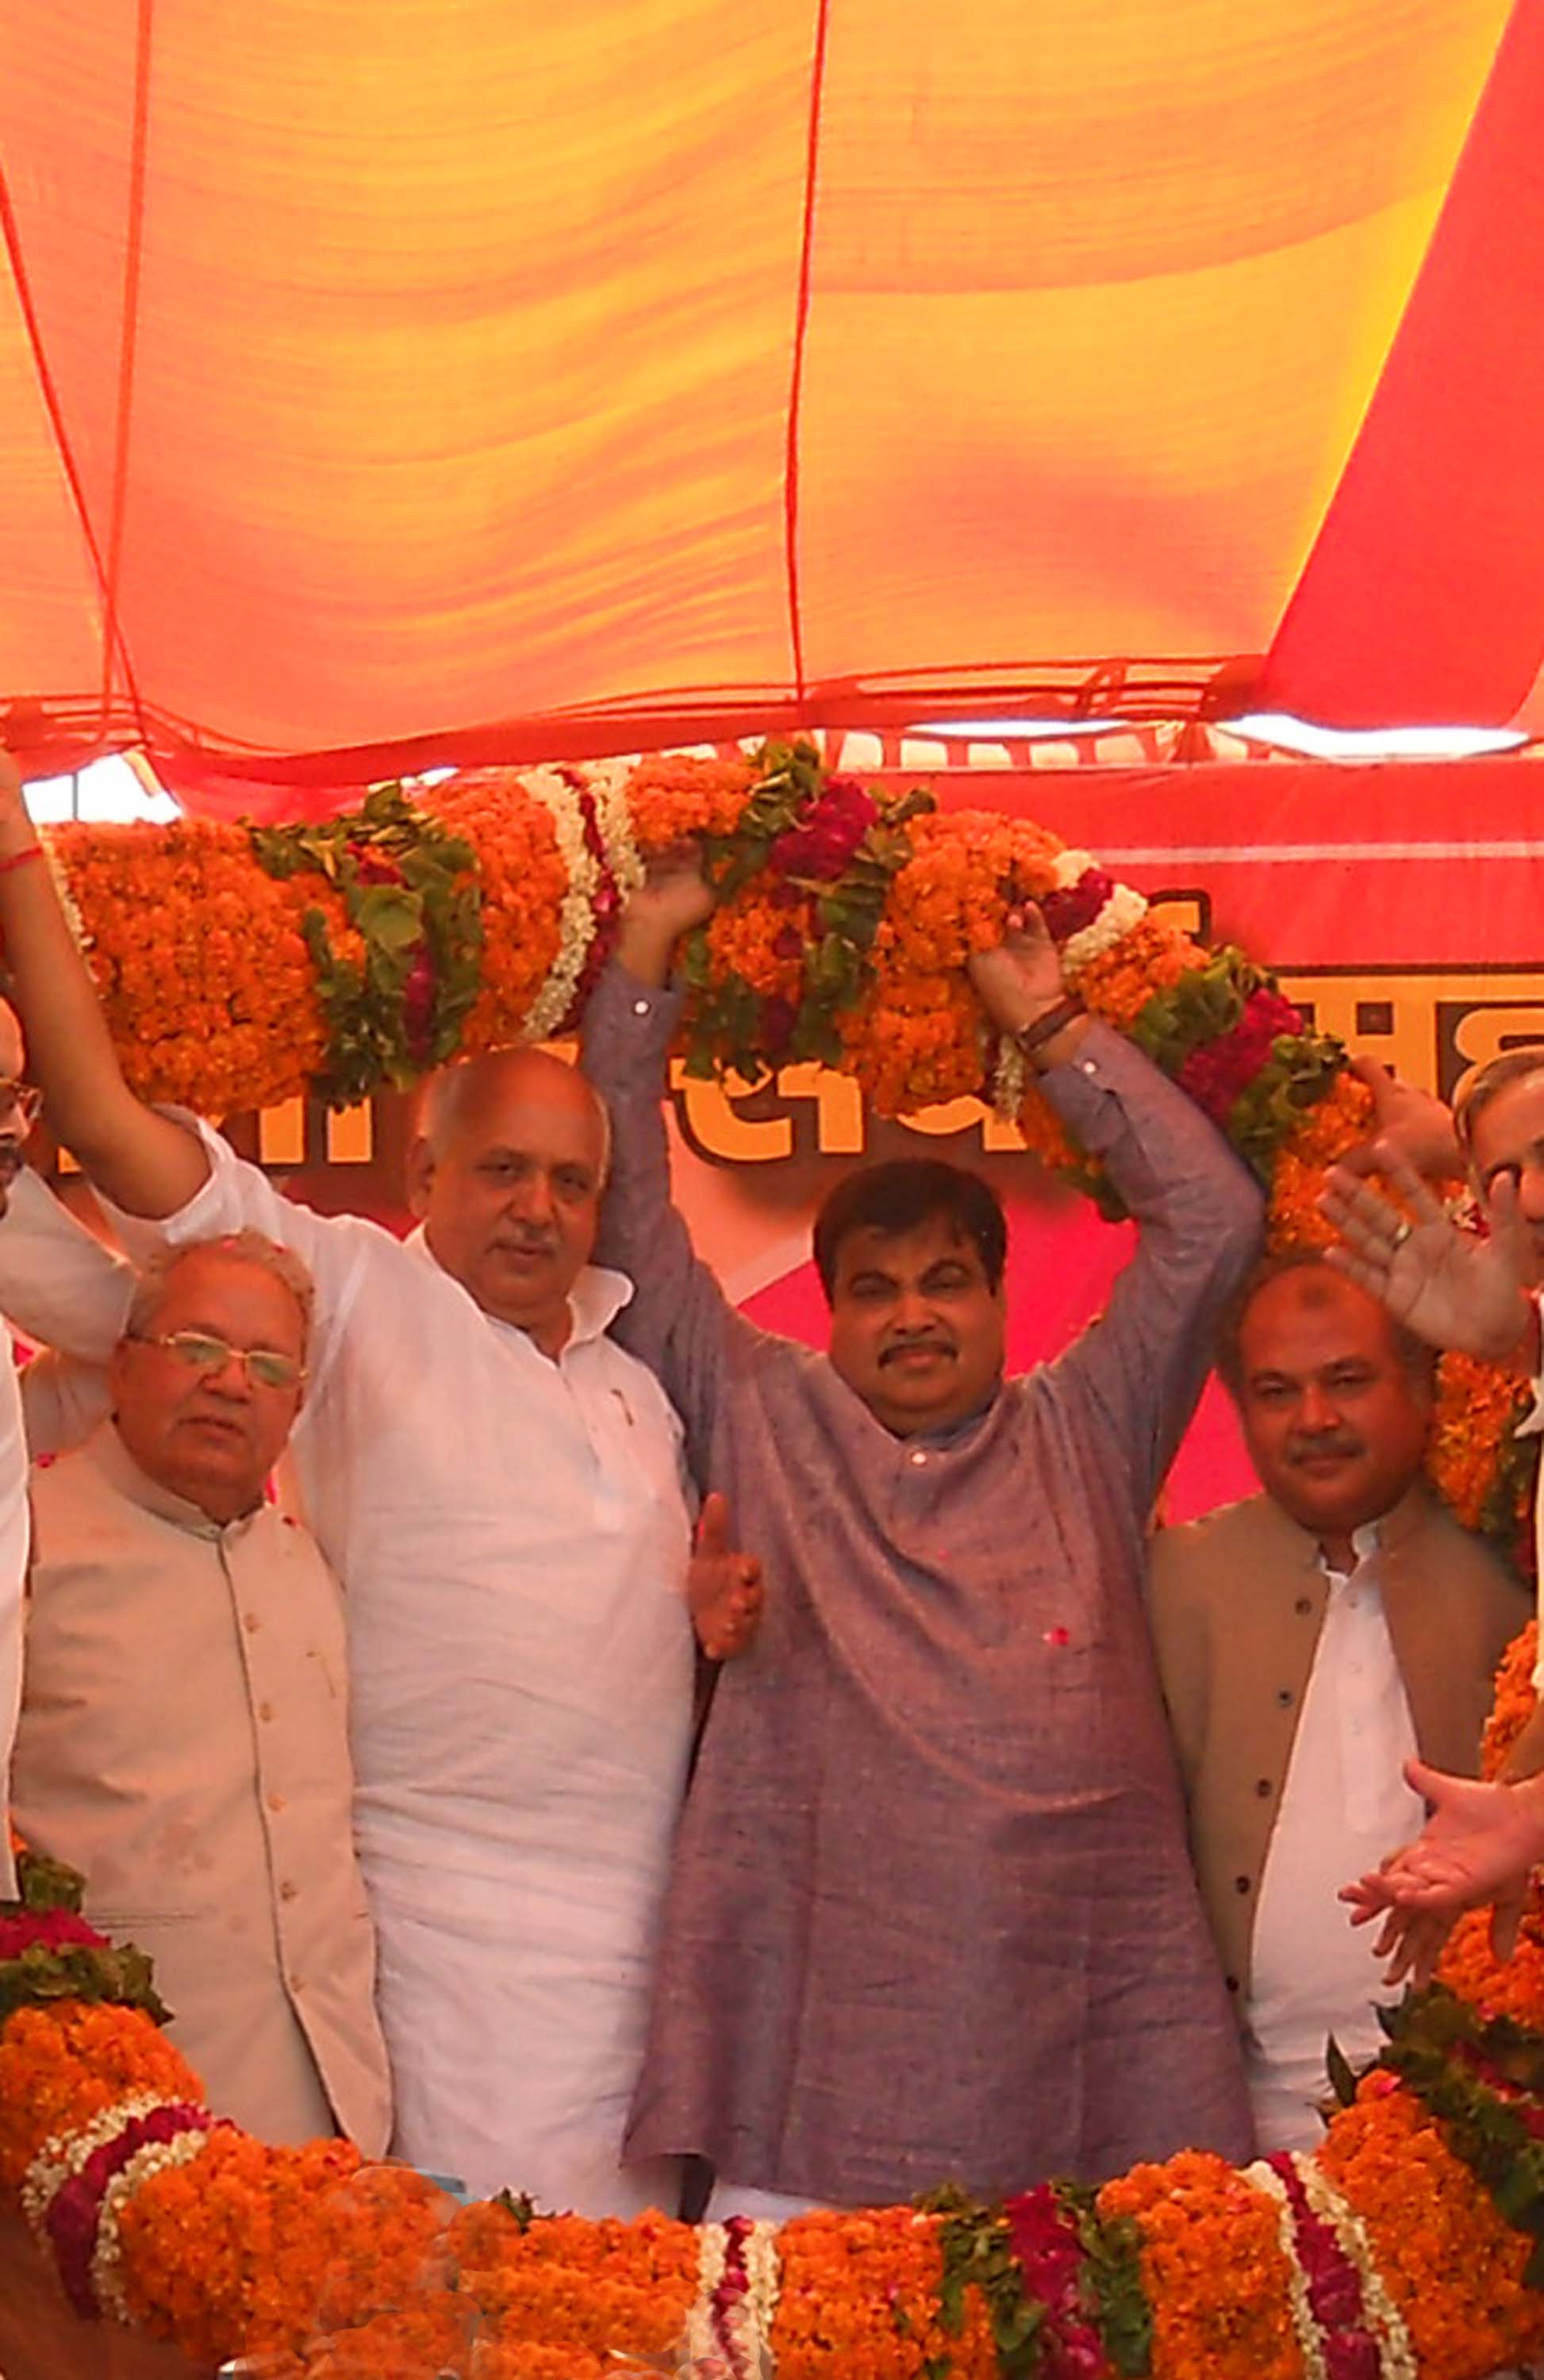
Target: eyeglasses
25	1098
263	1365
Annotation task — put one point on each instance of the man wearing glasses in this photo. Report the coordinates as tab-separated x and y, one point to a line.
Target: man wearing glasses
57	1284
183	1737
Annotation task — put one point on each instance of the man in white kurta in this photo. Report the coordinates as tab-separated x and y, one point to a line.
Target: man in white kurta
500	1488
513	1535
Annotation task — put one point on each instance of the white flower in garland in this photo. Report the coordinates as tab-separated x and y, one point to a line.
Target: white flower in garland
608	781
1396	2357
1305	2323
1123	910
750	2321
156	2156
577	909
700	2339
67	2154
1010	1080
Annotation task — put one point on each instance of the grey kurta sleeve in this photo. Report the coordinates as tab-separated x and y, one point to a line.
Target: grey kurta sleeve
679	1321
1198	1213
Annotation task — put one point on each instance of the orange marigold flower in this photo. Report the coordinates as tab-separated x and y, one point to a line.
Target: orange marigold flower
1450	2263
1213	2268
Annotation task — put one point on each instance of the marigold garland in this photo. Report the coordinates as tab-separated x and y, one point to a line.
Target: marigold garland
237	968
1384	2255
845	931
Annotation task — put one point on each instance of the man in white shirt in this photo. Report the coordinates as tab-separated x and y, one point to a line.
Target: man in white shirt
57	1280
500	1488
1310	1641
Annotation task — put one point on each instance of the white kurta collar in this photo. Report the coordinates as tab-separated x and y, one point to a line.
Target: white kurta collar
596	1299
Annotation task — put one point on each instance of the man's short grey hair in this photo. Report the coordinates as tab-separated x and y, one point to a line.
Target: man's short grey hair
247	1248
1487	1083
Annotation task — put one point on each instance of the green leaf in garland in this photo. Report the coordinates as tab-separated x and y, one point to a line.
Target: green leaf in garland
409	890
1342	2081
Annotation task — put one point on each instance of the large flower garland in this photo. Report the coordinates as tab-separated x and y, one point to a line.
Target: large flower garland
1409	2247
237	967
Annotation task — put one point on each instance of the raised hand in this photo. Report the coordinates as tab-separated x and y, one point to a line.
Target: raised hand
723	1586
1450	1288
1021	980
674	897
1408	1127
1478	1846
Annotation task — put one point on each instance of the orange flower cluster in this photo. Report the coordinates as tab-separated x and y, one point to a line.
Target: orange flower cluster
1325	1133
523	879
965	869
1469	1967
1045	1135
859	2296
1511	1710
671	799
1214	2270
761	943
914	1042
1475	1403
920	1037
563	2299
234	2250
62	2065
206	981
1450	2263
1152	957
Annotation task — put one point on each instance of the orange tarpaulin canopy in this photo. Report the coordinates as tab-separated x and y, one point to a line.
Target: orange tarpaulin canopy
387	381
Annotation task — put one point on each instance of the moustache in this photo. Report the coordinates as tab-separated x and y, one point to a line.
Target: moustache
1330	1441
932	1345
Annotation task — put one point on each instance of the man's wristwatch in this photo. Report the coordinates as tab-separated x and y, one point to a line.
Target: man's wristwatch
1030	1039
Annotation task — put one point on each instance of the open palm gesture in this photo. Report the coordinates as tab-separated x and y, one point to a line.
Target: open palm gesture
1450	1288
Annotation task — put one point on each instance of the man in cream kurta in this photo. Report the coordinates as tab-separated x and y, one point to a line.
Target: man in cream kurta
184	1742
56	1280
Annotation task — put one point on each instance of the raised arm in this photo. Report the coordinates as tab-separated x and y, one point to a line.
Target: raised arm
1141	1366
679	1321
146	1164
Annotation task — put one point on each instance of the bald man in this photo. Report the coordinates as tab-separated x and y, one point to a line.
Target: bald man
500	1488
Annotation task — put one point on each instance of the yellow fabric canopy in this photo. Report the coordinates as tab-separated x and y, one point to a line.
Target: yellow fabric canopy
404	379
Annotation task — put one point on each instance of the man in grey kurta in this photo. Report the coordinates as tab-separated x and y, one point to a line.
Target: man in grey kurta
931	1914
